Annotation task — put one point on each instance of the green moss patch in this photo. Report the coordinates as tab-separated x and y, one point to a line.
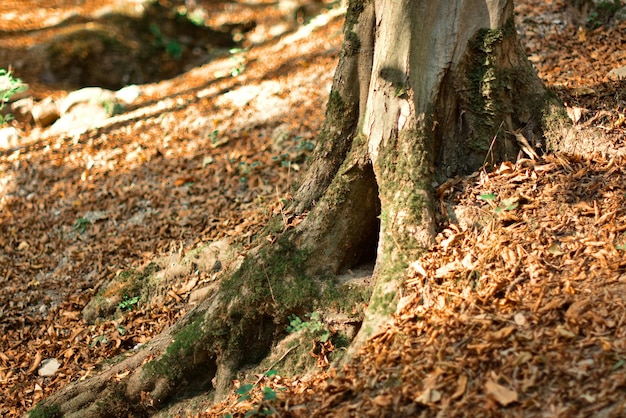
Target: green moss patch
45	411
175	361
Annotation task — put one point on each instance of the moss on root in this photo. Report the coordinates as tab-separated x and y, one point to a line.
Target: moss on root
45	411
260	295
406	169
501	94
114	403
486	81
405	172
345	298
556	126
171	364
352	44
355	8
253	311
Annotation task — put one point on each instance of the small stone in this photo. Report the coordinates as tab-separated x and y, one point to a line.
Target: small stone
617	73
48	367
90	95
128	94
199	295
22	110
82	117
9	137
45	112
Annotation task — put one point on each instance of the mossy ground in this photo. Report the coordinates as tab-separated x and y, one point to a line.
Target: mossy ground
45	411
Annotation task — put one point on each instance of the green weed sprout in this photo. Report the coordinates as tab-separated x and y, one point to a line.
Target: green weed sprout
9	86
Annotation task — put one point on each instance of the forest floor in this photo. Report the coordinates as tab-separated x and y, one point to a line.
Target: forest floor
519	309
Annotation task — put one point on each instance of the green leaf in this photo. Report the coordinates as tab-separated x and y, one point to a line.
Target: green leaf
269	394
127	303
244	389
621	247
271	373
314	316
102	339
9	85
488	196
619	364
81	225
295	323
510	204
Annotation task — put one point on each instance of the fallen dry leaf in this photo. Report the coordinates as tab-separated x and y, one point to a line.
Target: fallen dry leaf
501	394
461	386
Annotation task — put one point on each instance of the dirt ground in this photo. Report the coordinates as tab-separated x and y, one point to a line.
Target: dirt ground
518	311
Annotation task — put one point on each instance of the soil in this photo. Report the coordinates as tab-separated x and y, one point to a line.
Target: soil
210	151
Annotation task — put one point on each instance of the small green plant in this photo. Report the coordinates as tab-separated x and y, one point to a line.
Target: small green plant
217	140
263	408
112	107
81	225
100	339
314	326
269	395
9	86
172	47
508	204
238	56
297	153
128	303
602	12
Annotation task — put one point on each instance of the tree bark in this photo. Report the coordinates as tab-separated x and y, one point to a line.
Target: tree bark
424	90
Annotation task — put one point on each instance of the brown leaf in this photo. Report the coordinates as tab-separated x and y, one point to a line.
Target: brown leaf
184	180
577	309
501	394
35	363
501	334
383	400
461	386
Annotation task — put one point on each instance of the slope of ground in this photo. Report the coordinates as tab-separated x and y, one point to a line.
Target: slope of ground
518	310
205	156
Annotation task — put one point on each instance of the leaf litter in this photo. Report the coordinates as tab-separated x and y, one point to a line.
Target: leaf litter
517	311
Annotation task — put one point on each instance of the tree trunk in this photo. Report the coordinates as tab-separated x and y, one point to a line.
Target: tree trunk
424	90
